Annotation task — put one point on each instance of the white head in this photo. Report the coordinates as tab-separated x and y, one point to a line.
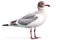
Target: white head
41	5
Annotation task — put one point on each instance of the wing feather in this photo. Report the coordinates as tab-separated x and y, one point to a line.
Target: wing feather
27	19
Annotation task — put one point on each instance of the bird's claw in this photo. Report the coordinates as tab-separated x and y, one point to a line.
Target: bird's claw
35	37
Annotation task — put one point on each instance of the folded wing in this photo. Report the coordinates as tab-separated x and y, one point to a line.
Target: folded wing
27	19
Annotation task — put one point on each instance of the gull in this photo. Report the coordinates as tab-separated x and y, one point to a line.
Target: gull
31	20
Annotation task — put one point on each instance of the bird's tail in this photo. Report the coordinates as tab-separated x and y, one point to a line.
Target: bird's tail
5	25
11	23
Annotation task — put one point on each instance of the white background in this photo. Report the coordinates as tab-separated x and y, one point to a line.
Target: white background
14	9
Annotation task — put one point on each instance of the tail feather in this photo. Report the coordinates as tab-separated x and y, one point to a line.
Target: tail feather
5	25
12	23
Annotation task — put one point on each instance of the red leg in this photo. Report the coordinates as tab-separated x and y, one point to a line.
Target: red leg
31	34
35	34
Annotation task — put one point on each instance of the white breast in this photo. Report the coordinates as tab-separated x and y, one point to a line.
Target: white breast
40	20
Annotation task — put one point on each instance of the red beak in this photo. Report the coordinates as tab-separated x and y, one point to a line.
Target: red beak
47	5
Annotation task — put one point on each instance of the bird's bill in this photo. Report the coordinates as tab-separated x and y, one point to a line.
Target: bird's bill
47	5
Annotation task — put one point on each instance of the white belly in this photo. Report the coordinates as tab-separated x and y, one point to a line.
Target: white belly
39	21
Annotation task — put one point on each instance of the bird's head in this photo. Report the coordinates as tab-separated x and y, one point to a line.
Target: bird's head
41	4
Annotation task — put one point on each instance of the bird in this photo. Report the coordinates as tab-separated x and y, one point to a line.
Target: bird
31	20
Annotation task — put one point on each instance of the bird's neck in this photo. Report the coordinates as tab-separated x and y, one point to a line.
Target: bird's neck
42	11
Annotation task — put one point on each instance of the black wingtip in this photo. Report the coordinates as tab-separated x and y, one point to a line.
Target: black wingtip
5	25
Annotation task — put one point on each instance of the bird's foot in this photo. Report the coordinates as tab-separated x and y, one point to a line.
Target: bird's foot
32	38
37	37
